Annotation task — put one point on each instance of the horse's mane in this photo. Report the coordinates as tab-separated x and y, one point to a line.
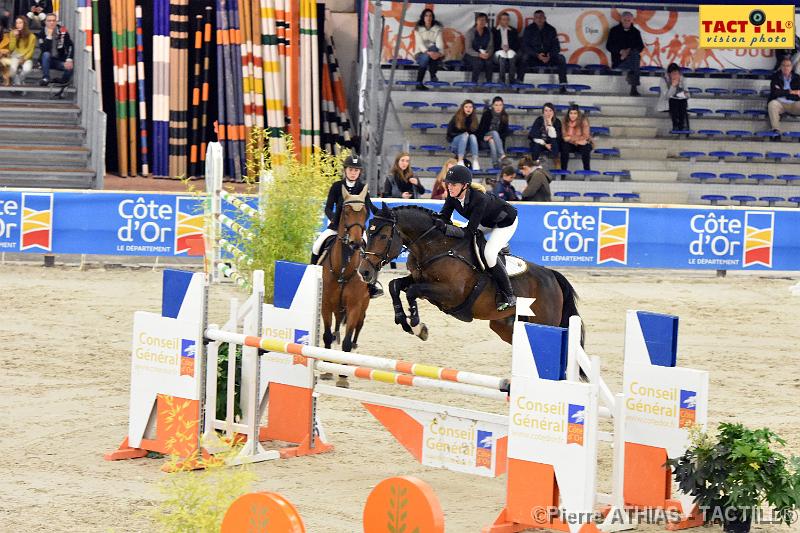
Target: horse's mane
429	212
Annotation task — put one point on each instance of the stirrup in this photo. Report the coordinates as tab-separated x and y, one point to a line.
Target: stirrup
375	290
509	301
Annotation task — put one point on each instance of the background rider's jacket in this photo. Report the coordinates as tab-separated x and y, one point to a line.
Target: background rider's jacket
336	200
480	209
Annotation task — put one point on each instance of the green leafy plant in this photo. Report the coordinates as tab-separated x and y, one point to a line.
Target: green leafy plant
196	500
739	470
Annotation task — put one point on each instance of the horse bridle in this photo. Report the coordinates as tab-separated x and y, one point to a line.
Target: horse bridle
346	238
383	258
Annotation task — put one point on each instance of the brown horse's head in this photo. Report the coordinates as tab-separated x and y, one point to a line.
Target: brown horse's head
352	223
383	244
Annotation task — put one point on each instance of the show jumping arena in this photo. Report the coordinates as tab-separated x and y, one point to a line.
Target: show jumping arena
66	377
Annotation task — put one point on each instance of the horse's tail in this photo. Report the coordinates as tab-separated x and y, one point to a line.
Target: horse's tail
570	297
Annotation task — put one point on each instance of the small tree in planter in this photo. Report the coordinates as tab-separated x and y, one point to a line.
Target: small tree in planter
738	472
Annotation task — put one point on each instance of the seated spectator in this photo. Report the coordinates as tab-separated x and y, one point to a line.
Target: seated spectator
56	46
428	46
493	130
504	188
577	137
540	48
38	11
506	44
784	94
22	46
461	133
538	181
478	48
545	134
401	183
625	44
674	97
439	190
5	58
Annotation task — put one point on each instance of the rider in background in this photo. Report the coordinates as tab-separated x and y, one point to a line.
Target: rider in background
488	213
335	204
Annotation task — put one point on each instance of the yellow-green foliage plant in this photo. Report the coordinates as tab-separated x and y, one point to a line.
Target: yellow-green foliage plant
292	199
196	499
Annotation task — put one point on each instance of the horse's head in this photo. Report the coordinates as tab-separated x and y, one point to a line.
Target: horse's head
352	224
383	244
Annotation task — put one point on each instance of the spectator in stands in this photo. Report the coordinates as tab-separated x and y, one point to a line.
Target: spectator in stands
401	183
38	11
428	46
577	137
506	45
439	191
504	187
22	45
784	94
5	57
625	44
478	48
537	179
56	46
674	98
545	134
493	130
461	133
540	48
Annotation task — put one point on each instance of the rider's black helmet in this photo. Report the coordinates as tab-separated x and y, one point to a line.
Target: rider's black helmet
458	174
353	161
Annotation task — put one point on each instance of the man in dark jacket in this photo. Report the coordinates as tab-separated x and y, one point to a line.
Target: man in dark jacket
538	181
784	94
478	48
625	44
540	48
506	49
56	47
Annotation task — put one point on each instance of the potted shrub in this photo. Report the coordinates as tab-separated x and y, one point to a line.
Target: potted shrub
737	472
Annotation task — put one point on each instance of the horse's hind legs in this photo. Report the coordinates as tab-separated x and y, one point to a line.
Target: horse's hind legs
395	286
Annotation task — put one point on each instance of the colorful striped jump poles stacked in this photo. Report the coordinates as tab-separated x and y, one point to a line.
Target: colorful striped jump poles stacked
161	88
178	86
142	94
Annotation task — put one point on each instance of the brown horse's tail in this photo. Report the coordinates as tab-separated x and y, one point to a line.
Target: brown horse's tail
570	297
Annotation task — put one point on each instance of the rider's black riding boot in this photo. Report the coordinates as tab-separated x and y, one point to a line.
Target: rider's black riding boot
314	259
375	289
505	296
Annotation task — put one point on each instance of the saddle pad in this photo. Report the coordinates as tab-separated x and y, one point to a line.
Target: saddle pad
515	265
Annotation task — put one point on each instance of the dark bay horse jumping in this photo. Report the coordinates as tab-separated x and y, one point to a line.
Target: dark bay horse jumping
444	271
345	295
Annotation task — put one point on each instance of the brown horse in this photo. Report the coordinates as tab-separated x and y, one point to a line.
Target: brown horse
444	271
345	296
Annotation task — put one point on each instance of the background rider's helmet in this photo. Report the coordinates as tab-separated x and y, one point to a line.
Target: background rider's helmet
458	174
353	161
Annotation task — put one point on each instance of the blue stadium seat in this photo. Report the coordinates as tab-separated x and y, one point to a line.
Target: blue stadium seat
694	90
717	91
607	152
732	176
578	88
764	92
434	170
699	111
444	125
492	85
573	66
685	70
714	199
771	200
454	64
465	84
789	178
706	70
518	150
617	175
589	109
423	126
655	89
702	176
523	86
437	84
721	154
567	195
794	199
792	134
651	69
417	170
743	199
515	127
745	92
768	134
528	107
406	83
596	68
761	178
599	130
733	71
432	148
549	86
738	133
690	154
709	133
479	105
402	62
777	156
416	106
755	112
681	132
586	174
727	113
750	155
444	106
509	106
596	196
626	196
556	172
561	108
760	72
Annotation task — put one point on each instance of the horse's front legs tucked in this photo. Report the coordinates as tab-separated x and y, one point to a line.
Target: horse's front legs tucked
395	286
428	291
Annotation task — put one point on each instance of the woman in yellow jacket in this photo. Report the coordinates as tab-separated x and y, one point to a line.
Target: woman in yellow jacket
23	43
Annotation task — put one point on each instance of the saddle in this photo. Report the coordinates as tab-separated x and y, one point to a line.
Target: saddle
515	266
325	249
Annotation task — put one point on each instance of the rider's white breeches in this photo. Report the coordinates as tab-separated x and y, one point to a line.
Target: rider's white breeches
496	239
315	248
